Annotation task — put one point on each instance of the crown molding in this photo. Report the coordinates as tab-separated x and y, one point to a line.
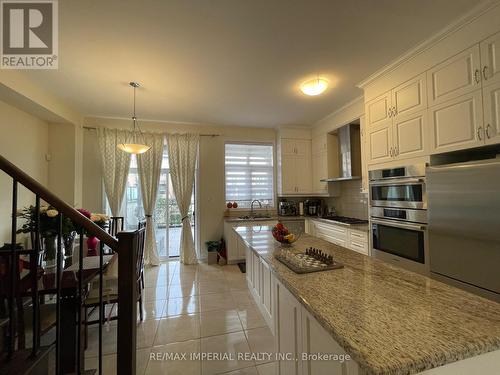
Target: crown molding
451	28
338	110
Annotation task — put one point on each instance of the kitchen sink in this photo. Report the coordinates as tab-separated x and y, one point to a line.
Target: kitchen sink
254	217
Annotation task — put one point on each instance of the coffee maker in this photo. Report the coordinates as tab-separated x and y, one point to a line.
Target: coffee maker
287	208
312	207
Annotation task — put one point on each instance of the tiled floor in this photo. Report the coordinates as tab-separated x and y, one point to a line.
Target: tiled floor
193	309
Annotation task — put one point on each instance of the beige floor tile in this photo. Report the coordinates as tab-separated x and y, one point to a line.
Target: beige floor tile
156	280
153	310
251	318
181	278
146	332
244	371
177	328
243	298
183	290
155	293
208	287
159	364
210	267
216	301
181	306
211	276
232	343
238	285
261	340
109	362
219	322
270	368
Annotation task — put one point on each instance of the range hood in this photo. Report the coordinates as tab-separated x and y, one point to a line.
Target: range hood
349	154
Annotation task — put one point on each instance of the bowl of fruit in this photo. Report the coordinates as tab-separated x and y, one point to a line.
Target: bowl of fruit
283	235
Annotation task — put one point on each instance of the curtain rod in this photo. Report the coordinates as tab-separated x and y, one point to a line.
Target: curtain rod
201	135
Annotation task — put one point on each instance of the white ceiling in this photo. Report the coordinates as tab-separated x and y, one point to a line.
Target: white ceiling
230	62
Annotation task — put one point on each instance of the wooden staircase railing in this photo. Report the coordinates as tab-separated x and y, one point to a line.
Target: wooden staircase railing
126	245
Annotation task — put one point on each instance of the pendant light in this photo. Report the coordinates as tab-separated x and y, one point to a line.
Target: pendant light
136	147
314	87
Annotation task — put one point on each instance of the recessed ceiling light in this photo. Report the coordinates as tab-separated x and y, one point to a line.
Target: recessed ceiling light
314	87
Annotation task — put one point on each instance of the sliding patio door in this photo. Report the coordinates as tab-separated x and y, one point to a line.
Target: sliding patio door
167	217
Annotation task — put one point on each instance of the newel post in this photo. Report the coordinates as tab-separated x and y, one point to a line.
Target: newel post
127	302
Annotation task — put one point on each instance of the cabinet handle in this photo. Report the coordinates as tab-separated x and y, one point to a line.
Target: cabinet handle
389	112
395	111
485	69
477	76
479	133
488	131
390	152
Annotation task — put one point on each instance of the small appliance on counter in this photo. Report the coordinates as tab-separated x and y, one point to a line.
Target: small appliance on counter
287	208
312	207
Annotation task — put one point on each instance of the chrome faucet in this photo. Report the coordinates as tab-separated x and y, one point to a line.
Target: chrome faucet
251	207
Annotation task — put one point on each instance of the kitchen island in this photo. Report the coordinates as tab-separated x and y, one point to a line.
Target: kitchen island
388	320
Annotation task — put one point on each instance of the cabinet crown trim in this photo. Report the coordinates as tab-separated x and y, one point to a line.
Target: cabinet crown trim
451	28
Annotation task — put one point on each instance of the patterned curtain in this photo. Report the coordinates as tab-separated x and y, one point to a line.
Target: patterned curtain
149	165
114	164
182	153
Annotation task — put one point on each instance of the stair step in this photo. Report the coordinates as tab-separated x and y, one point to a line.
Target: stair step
22	363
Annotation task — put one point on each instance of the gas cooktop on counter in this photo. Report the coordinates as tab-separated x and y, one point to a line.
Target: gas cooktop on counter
346	220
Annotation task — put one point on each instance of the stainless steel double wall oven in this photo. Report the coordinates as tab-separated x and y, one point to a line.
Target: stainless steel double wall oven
398	216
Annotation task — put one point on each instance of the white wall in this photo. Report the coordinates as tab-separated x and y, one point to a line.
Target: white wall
211	199
24	142
62	165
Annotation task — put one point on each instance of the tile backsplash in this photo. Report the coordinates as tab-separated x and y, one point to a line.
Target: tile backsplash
351	202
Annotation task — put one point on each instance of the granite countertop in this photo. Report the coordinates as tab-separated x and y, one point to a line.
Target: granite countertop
273	217
391	321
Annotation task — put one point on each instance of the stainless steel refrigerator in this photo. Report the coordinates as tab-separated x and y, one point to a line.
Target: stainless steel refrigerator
464	224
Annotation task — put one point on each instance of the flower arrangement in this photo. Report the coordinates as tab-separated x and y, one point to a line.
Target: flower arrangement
49	226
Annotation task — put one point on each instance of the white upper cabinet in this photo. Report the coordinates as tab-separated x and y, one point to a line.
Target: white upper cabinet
457	124
455	76
490	59
491	104
296	166
403	133
380	143
377	110
410	97
410	135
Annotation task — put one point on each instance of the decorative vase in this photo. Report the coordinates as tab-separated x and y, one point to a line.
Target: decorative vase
92	243
69	241
50	244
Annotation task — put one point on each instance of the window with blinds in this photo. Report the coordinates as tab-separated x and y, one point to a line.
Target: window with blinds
249	174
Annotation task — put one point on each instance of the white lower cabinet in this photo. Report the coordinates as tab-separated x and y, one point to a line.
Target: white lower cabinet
234	252
288	331
301	340
267	293
347	237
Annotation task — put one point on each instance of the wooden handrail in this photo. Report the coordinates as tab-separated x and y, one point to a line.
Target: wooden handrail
49	197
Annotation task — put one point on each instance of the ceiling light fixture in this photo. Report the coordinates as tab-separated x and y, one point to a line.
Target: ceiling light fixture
135	147
314	87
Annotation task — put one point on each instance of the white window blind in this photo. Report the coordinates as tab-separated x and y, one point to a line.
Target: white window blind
249	174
